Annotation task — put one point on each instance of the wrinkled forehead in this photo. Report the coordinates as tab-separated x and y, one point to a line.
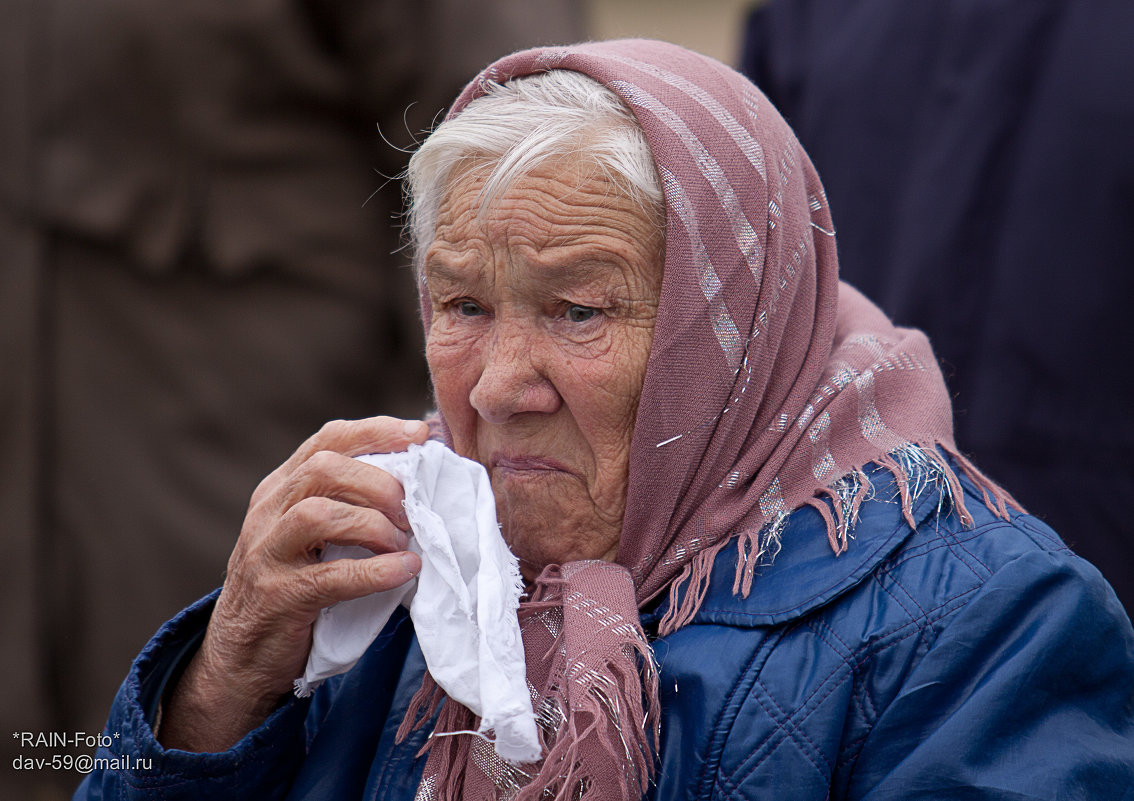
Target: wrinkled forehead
563	223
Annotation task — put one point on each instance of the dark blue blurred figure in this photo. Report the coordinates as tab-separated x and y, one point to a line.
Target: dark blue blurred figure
979	159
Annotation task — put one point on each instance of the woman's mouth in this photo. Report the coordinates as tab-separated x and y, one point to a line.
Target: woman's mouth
521	465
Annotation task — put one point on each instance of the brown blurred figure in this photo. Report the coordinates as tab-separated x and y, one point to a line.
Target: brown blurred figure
192	280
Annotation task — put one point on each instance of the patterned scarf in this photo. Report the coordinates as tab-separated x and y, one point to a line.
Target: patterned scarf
769	386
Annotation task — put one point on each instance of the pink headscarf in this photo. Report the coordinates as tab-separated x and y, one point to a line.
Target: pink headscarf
768	385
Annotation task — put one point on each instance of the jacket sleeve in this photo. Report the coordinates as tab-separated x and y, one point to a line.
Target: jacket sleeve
1022	695
135	767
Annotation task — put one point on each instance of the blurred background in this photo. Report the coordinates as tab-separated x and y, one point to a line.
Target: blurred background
199	262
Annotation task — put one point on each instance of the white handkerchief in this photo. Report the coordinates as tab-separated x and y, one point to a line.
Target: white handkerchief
463	603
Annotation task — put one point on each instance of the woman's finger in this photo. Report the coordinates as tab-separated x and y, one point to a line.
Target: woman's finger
349	438
308	526
326	583
329	474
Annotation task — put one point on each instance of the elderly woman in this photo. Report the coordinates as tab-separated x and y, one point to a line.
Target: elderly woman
755	564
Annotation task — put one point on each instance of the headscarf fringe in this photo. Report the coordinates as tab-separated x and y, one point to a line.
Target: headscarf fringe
682	607
996	498
835	528
753	549
845	496
613	704
917	468
901	476
630	737
421	708
452	751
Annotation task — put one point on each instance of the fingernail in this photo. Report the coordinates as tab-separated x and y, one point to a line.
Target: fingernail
402	540
411	563
413	428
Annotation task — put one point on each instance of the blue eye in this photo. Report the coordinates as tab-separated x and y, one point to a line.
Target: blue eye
468	308
580	314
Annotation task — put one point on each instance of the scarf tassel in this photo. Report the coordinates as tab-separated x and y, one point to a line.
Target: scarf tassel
917	468
623	723
610	708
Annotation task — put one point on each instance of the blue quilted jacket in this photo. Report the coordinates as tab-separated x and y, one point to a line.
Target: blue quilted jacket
939	663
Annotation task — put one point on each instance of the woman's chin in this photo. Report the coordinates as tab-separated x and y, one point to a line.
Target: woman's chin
549	537
548	518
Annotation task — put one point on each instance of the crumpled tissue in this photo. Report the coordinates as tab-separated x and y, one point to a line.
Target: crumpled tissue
463	603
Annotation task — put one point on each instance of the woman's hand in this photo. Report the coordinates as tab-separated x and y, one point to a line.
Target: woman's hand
260	632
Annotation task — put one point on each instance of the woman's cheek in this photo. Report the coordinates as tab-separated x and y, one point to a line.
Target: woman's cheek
446	342
452	358
613	364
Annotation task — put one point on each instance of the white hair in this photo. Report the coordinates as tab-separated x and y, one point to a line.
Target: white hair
517	126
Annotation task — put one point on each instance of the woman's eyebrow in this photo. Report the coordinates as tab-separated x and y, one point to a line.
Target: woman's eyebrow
440	270
588	269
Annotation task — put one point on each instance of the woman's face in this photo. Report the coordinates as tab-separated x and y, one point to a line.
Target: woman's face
543	314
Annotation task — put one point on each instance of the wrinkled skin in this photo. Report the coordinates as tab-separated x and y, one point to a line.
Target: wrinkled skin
543	314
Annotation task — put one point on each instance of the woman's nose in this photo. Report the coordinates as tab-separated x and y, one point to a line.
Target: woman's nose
510	383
